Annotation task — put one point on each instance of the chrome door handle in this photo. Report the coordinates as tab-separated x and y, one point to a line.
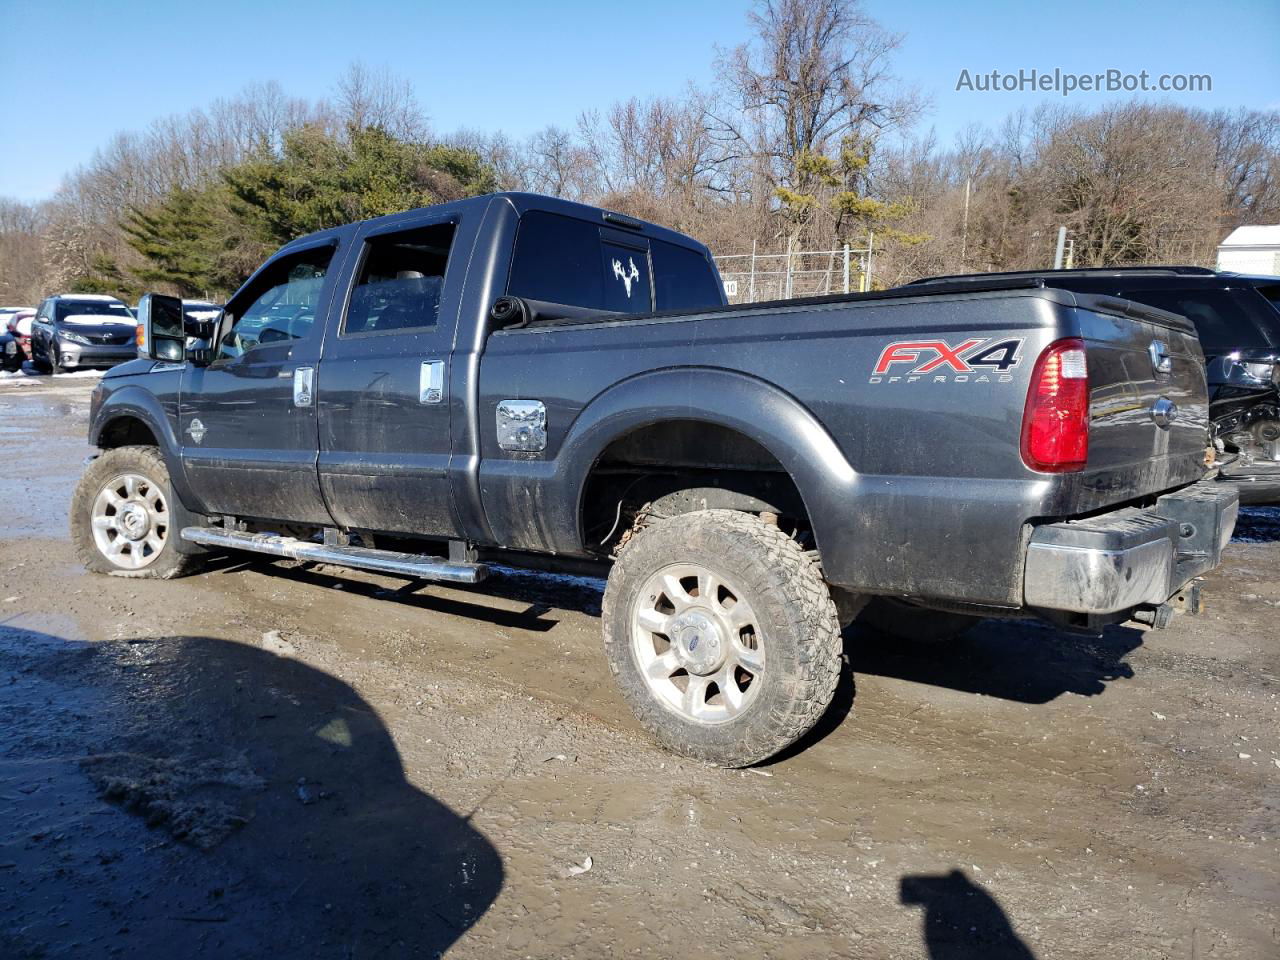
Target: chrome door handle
304	379
431	381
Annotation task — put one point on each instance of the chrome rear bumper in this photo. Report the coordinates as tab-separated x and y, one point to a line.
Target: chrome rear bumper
1130	557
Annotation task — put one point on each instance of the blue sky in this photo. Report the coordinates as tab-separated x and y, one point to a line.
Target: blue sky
76	71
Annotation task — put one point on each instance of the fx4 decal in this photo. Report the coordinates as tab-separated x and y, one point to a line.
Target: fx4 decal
977	360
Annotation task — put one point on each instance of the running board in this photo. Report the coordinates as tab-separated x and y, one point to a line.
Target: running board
361	558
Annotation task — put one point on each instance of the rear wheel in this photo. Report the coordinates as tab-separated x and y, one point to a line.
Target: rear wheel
911	624
124	516
722	635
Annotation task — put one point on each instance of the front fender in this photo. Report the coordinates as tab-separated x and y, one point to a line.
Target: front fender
140	403
537	504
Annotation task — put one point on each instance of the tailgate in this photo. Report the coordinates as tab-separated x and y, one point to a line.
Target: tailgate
1149	403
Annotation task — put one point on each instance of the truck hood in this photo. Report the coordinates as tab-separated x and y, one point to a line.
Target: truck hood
129	368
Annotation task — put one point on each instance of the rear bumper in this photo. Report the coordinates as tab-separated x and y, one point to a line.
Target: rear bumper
1130	557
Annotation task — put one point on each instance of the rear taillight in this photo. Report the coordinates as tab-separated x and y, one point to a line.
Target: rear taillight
1055	424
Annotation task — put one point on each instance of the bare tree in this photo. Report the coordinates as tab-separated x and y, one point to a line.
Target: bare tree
814	94
558	165
378	98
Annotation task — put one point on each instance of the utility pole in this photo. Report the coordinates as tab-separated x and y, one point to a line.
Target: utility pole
1062	244
866	275
846	268
964	233
789	244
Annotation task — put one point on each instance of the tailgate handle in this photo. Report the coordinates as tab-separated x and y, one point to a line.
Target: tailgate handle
1161	362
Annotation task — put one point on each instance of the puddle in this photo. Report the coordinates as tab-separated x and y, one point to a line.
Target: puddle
1257	525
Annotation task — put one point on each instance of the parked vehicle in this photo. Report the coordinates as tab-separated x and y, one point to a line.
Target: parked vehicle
528	380
6	314
1238	320
198	317
77	330
15	339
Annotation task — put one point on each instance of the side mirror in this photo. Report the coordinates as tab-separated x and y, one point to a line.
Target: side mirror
160	332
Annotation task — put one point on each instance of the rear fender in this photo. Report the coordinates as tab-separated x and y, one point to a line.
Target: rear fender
538	505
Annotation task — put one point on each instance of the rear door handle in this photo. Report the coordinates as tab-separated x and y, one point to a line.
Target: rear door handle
431	381
304	379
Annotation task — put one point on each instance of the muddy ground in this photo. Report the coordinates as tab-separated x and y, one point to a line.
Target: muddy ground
277	760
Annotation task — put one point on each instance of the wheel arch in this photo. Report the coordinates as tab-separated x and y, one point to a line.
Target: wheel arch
720	400
131	415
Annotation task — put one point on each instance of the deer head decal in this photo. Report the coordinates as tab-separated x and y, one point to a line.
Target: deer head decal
624	276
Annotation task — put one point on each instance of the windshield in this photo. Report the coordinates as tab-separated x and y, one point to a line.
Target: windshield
1272	293
112	309
1226	320
200	311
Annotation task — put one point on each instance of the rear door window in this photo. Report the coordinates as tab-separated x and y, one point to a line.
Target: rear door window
400	282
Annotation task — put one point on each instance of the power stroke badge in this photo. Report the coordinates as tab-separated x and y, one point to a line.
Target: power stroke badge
977	360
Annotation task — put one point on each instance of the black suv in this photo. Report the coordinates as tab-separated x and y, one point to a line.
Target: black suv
1238	320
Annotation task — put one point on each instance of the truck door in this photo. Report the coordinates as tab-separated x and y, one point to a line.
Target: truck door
248	419
384	401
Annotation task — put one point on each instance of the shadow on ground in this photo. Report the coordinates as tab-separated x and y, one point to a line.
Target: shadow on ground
170	796
1018	660
961	920
542	592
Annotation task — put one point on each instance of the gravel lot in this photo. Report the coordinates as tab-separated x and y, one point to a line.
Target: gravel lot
276	759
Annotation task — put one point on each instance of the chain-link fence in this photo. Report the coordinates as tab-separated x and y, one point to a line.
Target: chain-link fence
751	277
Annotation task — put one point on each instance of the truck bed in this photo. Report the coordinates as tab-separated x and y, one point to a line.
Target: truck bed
915	484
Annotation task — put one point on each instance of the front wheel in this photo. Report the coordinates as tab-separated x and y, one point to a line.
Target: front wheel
124	516
55	357
40	363
722	635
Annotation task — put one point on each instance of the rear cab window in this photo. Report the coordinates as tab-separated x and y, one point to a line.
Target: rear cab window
565	260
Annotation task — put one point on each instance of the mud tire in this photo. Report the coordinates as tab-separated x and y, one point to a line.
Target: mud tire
798	621
146	462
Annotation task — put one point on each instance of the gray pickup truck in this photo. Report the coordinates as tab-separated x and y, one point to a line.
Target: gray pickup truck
520	380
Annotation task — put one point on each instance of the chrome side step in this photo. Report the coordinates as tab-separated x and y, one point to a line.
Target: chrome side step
360	558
